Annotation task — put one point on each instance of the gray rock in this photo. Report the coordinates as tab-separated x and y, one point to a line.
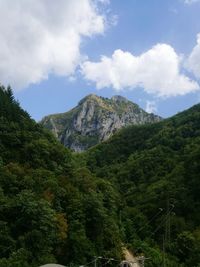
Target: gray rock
94	120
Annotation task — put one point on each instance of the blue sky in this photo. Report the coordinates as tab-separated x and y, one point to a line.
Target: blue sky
149	48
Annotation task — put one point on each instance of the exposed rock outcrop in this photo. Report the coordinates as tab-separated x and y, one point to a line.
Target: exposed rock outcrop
94	120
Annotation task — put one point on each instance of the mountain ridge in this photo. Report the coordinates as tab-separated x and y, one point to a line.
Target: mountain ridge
94	120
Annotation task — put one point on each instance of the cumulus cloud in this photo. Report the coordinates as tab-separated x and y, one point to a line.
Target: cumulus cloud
151	106
189	2
157	71
39	37
193	62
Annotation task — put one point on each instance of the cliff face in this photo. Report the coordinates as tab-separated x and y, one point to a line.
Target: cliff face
94	120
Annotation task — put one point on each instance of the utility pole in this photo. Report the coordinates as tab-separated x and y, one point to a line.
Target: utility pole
164	251
167	226
96	259
95	262
170	207
167	230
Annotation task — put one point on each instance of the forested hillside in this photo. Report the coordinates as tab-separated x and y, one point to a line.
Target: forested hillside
51	210
139	190
156	169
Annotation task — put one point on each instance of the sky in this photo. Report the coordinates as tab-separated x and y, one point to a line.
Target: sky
54	53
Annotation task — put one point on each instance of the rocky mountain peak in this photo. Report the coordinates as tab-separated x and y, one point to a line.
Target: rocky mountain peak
94	120
90	97
119	98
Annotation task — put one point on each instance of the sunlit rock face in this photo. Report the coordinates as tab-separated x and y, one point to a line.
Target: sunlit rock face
94	120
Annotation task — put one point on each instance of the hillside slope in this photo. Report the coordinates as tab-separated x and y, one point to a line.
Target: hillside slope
94	120
51	208
157	171
139	190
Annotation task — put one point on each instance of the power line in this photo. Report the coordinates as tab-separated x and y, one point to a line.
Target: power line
151	219
164	220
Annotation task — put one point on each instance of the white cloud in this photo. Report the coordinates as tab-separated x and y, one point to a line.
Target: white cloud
151	106
189	2
39	37
193	62
157	71
104	1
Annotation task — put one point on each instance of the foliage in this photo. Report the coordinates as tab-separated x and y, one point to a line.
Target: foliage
139	189
156	166
51	209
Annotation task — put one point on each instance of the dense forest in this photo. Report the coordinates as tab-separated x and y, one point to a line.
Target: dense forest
140	190
51	209
156	169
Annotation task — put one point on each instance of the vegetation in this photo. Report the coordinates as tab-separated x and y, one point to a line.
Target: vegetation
157	167
51	209
140	189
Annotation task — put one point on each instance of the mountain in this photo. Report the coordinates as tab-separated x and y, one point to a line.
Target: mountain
94	120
